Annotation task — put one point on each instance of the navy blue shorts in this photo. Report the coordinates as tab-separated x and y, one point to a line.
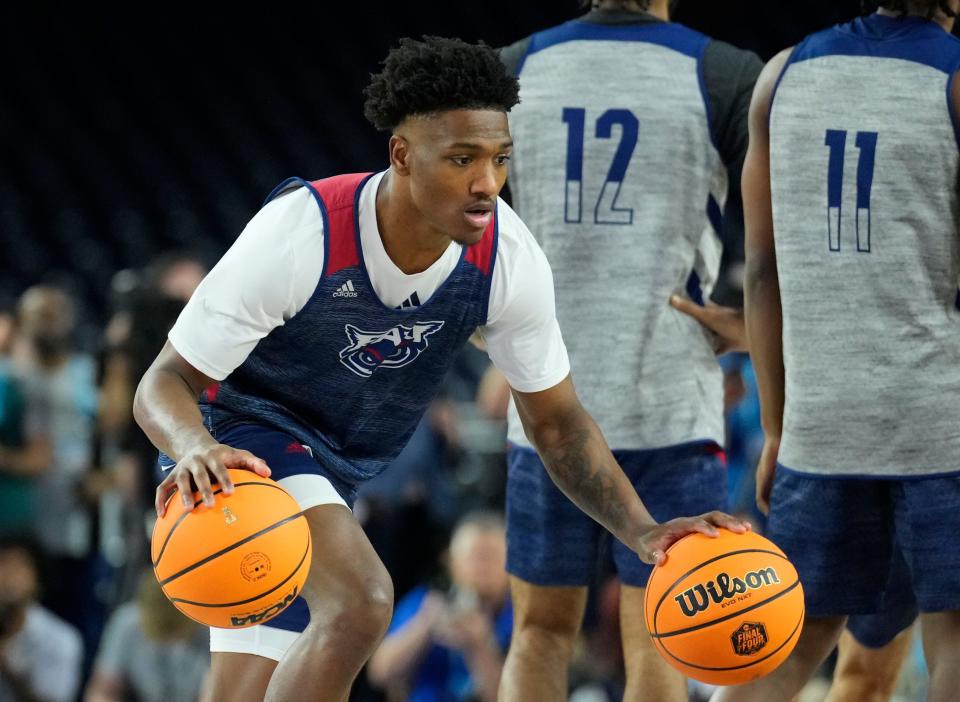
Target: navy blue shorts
842	535
550	541
898	609
293	467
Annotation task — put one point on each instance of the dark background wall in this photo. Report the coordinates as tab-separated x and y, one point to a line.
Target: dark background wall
129	129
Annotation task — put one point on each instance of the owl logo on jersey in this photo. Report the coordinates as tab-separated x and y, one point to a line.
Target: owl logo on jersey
393	348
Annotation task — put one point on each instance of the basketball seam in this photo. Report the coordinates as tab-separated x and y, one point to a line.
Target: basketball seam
241	542
197	504
745	665
693	570
752	607
257	597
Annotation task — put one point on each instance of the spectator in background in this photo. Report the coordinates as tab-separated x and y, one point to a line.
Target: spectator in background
145	304
60	393
40	654
150	652
450	647
17	471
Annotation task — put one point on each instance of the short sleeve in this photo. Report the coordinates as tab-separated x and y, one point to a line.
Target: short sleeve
522	334
263	280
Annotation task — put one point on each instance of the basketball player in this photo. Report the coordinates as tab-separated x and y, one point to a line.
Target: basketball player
330	323
852	208
872	649
626	131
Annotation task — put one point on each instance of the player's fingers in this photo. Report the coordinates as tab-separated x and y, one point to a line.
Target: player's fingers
163	492
721	519
703	526
218	468
182	478
688	307
245	459
201	477
763	500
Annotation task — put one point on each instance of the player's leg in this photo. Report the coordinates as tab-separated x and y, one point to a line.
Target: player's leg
927	520
649	677
350	596
551	556
347	587
672	482
812	520
238	677
873	648
546	621
868	674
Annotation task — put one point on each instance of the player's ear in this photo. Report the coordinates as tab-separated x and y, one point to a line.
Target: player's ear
400	154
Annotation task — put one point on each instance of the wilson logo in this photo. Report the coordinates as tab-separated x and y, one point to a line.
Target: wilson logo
271	611
697	599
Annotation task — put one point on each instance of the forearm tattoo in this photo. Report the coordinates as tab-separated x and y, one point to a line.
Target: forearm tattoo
576	464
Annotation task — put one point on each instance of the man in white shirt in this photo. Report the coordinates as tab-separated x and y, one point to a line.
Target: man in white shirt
41	656
331	322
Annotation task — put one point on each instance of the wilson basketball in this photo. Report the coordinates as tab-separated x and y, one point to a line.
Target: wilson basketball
724	610
238	563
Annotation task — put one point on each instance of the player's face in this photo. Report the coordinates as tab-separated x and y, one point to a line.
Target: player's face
457	164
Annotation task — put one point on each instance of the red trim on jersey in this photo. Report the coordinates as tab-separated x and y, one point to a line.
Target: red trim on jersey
338	194
481	253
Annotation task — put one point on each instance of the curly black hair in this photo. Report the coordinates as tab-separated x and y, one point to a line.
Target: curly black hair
438	74
926	8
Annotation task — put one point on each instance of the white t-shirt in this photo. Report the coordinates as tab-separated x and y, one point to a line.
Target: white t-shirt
274	266
48	655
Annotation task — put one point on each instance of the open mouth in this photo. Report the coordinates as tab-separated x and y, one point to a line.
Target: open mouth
479	215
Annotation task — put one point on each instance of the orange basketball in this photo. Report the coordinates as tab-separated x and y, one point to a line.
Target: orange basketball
724	610
238	563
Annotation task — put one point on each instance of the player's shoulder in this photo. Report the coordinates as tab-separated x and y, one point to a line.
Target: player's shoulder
514	238
291	209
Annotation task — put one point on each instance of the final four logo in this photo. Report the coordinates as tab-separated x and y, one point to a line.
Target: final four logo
393	348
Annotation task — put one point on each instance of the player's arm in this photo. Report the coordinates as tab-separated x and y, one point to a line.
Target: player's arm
165	407
524	342
580	463
762	310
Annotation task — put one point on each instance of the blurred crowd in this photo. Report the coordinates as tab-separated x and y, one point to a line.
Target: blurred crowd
81	616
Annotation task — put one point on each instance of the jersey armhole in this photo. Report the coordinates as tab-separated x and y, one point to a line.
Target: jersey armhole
776	86
951	102
705	94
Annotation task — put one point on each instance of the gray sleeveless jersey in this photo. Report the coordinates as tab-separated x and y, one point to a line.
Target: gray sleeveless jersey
615	172
864	172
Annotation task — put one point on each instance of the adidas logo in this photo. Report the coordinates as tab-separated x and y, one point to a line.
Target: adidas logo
412	301
346	290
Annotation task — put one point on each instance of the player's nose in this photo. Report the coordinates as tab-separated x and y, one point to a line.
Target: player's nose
485	182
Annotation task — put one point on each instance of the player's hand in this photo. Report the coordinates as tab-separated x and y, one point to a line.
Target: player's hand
655	542
766	469
725	323
203	466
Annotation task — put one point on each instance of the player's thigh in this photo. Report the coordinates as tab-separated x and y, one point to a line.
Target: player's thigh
673	482
550	611
238	677
838	533
550	541
633	624
346	571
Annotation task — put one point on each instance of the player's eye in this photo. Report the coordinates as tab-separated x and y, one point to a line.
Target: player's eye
502	159
461	160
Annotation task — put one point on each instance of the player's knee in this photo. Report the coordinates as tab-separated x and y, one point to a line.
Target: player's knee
364	613
547	633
